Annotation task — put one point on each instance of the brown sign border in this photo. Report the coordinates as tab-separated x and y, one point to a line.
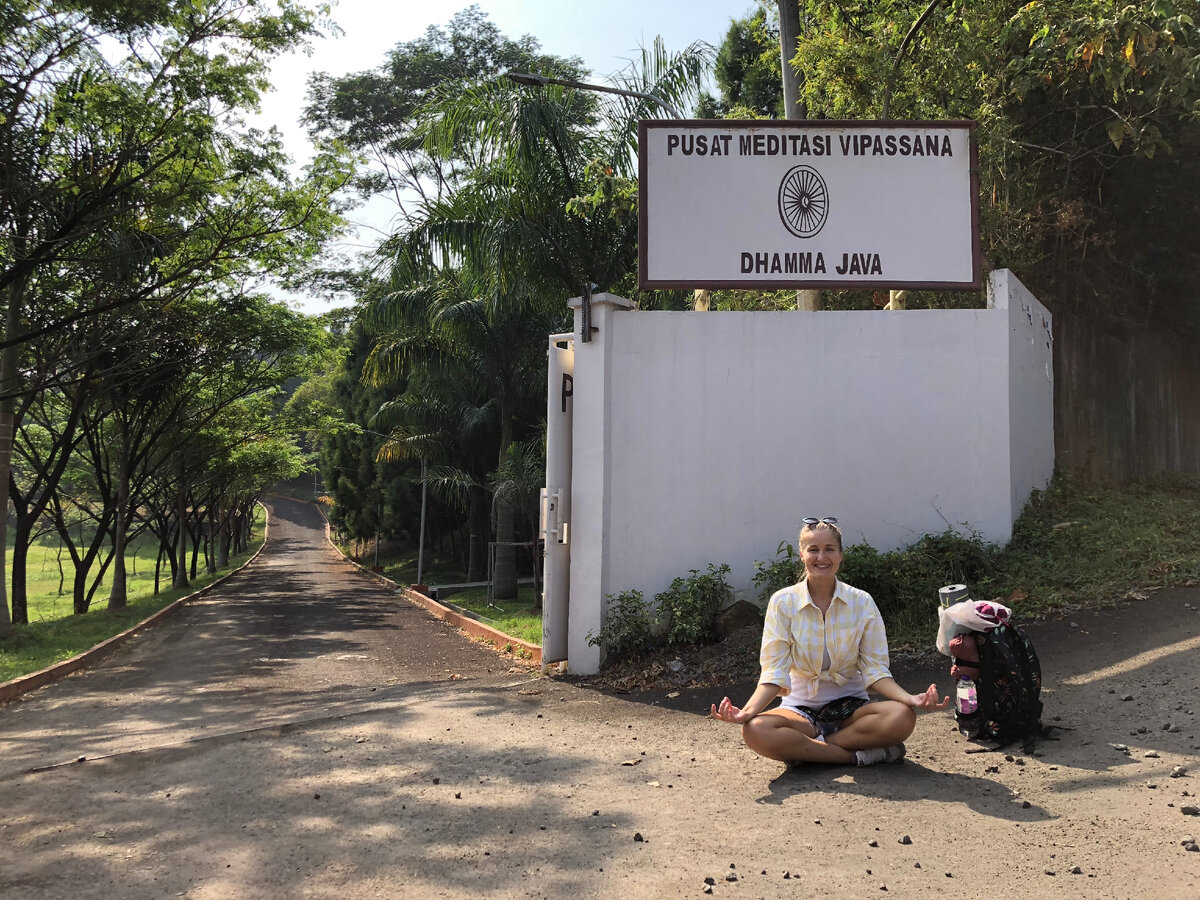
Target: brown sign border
646	284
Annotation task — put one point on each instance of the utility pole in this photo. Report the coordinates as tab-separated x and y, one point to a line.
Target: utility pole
789	40
793	108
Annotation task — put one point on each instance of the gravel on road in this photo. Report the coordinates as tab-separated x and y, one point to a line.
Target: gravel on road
305	732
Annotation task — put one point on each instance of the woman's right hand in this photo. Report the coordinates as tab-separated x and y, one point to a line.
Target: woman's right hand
725	711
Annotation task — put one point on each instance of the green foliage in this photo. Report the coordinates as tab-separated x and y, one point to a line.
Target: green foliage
369	494
747	70
1074	544
774	575
519	198
137	212
378	112
1088	127
608	193
685	613
628	625
522	157
516	617
905	582
687	610
519	478
1079	543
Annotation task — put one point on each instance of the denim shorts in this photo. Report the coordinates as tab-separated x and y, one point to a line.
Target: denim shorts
829	718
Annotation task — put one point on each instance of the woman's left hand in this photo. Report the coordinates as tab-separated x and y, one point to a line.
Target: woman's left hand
928	700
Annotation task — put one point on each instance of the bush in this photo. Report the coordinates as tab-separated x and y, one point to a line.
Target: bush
628	625
903	582
911	576
688	609
687	614
783	571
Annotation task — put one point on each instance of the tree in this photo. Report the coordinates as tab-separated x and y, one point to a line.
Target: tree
471	365
540	205
1086	130
508	198
375	112
517	482
747	70
166	404
369	496
125	170
546	193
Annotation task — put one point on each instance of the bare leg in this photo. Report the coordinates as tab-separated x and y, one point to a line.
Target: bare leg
788	737
880	724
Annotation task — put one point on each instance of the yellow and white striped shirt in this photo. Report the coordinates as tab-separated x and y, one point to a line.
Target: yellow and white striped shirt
796	637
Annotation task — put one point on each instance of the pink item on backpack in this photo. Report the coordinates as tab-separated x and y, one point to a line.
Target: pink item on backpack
963	648
996	615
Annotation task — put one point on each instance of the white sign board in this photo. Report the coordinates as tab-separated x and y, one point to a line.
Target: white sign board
808	204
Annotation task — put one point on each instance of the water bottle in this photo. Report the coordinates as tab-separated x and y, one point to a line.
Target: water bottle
968	698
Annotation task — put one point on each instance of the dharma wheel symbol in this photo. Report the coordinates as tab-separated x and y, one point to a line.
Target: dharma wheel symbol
803	201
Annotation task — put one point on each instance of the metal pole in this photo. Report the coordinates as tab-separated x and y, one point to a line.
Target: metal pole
789	39
378	525
421	539
528	78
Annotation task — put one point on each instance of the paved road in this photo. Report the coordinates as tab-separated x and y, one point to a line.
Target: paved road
299	633
298	734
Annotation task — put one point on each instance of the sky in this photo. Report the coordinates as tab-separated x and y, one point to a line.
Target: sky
604	33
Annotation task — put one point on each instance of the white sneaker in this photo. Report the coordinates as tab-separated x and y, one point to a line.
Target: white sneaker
875	755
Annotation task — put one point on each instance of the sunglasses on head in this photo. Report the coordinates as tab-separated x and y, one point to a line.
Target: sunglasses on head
813	520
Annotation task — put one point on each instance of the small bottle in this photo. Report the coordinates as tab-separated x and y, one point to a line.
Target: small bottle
968	699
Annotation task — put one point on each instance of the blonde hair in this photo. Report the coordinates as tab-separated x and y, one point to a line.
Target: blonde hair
809	531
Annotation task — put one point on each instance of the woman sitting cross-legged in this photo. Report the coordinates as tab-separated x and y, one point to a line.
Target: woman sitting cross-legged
823	648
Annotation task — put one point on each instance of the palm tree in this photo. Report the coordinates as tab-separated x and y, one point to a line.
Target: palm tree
517	482
473	366
542	202
545	194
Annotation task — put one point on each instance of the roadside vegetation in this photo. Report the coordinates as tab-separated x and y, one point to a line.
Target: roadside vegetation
1075	545
55	633
518	617
143	360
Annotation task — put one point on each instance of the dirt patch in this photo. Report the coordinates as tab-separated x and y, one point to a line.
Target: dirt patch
729	662
734	659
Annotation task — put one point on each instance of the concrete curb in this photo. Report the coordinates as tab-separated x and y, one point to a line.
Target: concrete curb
503	642
23	684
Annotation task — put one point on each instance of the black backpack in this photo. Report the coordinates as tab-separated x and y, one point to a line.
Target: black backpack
1008	688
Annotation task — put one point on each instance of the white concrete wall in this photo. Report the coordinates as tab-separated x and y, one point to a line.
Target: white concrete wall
1030	387
718	432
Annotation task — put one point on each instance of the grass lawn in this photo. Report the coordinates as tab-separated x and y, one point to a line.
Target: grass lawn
401	567
1074	545
1083	544
50	589
516	618
55	634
